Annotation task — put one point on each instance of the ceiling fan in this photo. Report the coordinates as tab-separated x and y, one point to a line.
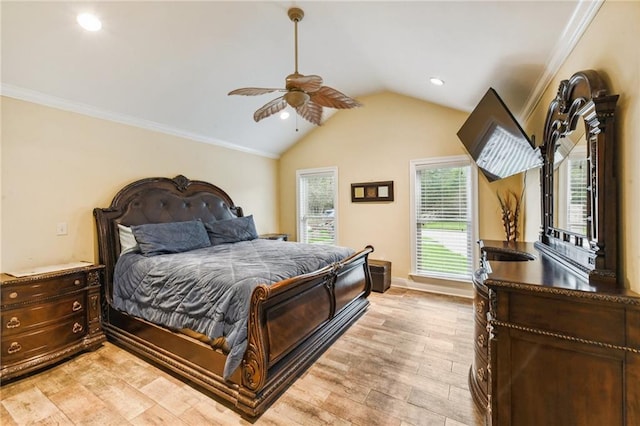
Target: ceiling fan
304	93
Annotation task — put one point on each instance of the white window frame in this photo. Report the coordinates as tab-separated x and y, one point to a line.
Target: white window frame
448	161
310	172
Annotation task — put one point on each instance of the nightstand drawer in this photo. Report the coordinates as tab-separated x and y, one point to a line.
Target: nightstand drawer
21	320
41	289
43	340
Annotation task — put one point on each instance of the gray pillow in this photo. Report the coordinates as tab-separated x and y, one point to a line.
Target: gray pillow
232	230
172	237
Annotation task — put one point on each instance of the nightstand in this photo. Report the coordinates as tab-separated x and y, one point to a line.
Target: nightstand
276	236
48	316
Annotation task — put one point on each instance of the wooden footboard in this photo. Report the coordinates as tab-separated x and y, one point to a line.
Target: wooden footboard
292	322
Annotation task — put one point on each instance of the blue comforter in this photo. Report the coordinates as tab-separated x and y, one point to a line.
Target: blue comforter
209	290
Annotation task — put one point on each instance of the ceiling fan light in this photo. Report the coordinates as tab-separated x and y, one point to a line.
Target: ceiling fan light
296	98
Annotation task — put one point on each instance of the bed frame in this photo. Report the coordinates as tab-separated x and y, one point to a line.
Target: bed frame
290	322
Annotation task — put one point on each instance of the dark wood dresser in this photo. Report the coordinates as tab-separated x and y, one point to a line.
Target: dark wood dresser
48	317
551	347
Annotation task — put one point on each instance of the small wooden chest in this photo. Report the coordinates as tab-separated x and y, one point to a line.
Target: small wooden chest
380	275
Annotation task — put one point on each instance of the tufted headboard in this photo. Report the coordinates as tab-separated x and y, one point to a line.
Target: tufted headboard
156	200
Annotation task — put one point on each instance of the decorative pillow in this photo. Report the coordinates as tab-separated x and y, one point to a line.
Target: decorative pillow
172	237
128	243
232	230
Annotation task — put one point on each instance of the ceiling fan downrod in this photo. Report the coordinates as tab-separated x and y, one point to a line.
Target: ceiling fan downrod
295	14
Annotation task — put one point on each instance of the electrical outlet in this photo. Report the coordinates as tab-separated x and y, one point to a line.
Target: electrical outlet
61	228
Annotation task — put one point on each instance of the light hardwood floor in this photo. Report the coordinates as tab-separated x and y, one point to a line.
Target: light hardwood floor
405	362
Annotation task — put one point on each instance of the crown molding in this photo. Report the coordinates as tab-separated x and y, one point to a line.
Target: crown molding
580	20
40	98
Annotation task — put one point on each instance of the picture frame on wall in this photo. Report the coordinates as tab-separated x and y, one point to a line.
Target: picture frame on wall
372	192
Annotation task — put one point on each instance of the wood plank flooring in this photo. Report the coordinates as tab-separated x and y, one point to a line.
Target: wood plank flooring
405	362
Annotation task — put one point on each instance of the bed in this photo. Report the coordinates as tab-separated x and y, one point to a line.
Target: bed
289	323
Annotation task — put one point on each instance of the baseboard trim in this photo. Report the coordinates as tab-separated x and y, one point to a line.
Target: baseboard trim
452	288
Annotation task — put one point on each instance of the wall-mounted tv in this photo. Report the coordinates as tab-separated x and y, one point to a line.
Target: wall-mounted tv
496	141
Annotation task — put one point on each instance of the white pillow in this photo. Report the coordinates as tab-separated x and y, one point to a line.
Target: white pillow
128	243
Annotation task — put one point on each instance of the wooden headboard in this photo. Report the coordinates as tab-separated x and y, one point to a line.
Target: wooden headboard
157	200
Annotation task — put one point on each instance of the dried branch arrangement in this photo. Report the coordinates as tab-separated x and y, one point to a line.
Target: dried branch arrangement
510	205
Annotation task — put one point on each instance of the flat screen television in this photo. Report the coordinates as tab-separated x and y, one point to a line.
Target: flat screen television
495	140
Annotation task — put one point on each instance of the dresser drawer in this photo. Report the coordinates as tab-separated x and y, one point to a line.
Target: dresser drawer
481	373
21	320
580	319
41	289
481	339
43	340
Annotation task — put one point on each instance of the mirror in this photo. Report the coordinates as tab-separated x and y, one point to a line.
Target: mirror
588	246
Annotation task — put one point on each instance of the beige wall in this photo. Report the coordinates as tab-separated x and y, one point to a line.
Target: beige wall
57	166
376	143
609	46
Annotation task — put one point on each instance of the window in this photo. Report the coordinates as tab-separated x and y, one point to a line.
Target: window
317	205
444	217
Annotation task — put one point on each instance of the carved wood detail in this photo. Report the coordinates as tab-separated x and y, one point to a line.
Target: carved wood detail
254	364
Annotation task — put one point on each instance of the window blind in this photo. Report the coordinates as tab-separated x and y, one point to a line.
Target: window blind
577	195
443	214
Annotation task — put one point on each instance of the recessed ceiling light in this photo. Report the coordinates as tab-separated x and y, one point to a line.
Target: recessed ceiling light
89	22
436	81
284	115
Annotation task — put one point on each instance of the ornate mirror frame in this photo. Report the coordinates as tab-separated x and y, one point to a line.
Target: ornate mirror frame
594	255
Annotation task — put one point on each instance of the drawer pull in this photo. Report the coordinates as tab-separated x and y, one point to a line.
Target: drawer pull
13	295
14	322
482	375
76	306
77	328
77	282
481	340
14	347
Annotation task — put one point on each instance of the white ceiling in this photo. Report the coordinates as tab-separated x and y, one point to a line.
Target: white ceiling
169	65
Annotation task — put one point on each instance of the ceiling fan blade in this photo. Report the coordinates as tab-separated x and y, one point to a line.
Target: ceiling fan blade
253	91
306	83
311	112
270	108
331	98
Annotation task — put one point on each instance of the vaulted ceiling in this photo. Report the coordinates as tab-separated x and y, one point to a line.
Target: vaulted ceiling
168	66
